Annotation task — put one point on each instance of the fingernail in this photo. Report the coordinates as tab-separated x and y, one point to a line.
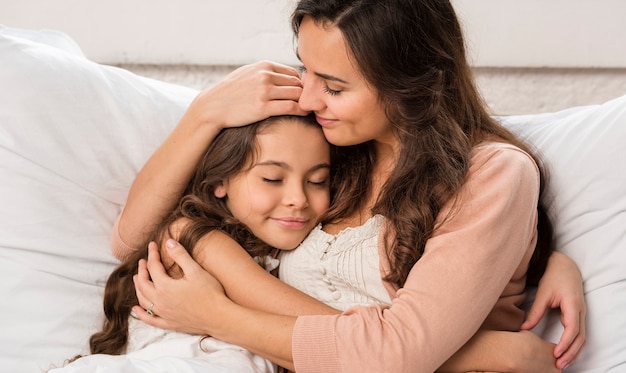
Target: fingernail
170	243
134	315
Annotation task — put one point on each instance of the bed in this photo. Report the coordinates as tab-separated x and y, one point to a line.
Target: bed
74	133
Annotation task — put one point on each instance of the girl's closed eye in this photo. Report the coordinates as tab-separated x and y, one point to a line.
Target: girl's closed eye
272	180
319	182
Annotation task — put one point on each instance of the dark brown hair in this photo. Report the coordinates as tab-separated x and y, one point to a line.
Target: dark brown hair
232	151
413	54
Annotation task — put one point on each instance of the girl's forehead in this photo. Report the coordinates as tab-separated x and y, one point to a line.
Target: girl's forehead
291	138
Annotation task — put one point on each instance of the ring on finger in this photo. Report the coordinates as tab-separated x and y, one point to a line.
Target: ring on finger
149	310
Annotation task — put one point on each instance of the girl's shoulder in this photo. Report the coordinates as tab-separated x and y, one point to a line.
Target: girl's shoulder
181	223
211	240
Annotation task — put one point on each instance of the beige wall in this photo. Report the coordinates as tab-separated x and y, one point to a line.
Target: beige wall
530	56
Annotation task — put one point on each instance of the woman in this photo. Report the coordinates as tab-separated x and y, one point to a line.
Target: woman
389	82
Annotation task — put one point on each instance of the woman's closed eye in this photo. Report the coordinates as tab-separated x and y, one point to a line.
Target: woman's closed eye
327	89
331	91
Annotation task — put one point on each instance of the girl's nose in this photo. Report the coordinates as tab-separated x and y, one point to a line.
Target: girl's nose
296	197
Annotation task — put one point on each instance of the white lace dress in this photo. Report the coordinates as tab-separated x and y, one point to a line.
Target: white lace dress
341	270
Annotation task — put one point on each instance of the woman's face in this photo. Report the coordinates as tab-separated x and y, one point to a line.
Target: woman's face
281	197
344	104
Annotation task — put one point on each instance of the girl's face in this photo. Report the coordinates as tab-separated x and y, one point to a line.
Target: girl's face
345	105
281	197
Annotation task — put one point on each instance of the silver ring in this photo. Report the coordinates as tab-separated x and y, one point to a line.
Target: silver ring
149	310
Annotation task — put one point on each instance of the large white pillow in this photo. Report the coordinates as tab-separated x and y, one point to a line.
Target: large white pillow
585	149
73	135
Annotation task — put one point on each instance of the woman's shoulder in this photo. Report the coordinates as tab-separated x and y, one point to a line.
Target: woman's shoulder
498	154
503	165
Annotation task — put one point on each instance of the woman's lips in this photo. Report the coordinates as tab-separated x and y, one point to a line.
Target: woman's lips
325	122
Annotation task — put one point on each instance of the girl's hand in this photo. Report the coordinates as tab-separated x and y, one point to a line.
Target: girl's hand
562	286
183	304
249	94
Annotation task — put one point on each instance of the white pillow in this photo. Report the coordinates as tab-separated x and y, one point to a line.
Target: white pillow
585	149
73	135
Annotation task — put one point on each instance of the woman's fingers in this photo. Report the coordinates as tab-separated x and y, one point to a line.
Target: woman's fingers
249	94
164	296
155	267
181	257
537	310
573	339
284	69
144	287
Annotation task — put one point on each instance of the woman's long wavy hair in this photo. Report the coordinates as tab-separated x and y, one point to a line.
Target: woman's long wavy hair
412	52
232	151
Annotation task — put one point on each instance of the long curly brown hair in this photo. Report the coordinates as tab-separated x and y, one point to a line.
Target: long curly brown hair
232	151
413	54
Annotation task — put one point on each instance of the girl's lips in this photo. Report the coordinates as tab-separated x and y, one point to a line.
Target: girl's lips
291	223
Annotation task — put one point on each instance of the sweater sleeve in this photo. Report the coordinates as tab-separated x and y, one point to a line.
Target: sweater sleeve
449	292
118	247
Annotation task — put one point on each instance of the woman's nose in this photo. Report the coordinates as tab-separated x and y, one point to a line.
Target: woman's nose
309	98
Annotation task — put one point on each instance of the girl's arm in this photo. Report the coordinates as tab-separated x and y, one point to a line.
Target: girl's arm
244	281
248	94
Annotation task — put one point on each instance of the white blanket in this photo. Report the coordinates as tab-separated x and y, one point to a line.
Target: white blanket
172	356
154	350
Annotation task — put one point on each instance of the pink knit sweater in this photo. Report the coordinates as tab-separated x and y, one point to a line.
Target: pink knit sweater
473	268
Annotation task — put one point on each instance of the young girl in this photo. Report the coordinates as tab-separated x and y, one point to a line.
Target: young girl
261	187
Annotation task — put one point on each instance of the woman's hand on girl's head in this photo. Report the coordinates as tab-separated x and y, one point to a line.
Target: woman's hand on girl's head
249	94
177	304
562	286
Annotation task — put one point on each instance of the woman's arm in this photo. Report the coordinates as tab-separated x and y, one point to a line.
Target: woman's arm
499	351
248	94
486	351
562	286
